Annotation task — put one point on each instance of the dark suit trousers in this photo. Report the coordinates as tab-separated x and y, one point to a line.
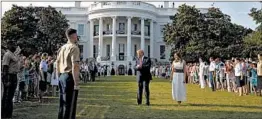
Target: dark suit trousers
142	84
92	76
68	97
10	84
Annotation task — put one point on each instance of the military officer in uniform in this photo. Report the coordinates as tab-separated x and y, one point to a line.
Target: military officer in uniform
68	70
11	66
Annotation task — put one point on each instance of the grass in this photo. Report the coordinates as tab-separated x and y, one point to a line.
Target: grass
115	98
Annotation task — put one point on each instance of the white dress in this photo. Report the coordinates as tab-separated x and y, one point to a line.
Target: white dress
178	85
201	74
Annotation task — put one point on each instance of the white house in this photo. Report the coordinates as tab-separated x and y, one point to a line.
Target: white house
112	32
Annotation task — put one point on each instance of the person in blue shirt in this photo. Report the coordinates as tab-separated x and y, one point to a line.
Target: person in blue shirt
254	77
219	74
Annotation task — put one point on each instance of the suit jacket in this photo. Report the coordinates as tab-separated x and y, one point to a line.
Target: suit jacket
143	74
92	69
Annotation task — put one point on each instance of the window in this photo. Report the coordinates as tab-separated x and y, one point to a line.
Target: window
162	30
162	52
148	50
108	27
121	26
96	29
81	51
135	27
108	50
121	48
94	51
146	30
81	48
80	29
135	49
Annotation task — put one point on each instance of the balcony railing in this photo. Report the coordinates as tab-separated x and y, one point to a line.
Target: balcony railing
121	58
107	58
135	32
96	33
120	32
107	32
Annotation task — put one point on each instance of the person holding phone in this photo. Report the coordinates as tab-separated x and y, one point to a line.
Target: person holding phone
68	70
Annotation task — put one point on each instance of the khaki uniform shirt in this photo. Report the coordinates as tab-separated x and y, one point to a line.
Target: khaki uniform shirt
68	54
11	61
259	68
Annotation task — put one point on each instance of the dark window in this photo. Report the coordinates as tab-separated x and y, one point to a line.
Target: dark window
135	27
135	49
148	50
162	52
96	29
81	51
94	51
81	47
108	50
108	27
121	26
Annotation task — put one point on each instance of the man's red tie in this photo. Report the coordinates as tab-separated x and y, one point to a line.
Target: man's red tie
140	62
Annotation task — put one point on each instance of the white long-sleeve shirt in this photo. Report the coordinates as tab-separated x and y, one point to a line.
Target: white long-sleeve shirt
238	69
212	66
201	68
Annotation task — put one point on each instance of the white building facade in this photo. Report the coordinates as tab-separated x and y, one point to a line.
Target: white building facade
112	32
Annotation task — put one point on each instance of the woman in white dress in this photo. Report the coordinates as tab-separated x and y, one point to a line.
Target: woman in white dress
178	77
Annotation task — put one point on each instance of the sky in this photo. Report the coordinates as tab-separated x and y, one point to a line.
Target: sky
237	10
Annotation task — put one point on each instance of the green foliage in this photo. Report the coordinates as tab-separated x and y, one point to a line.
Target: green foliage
253	41
257	17
35	29
195	34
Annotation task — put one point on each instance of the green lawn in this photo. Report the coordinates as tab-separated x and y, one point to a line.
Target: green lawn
115	98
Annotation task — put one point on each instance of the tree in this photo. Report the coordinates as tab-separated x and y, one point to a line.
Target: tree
197	34
253	41
35	29
185	30
257	17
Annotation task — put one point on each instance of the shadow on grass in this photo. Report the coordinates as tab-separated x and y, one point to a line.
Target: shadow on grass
144	112
209	105
221	105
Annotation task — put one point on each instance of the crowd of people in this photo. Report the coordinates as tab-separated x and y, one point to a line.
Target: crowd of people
35	76
237	75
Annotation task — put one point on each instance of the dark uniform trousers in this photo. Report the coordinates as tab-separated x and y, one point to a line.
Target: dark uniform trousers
10	84
68	97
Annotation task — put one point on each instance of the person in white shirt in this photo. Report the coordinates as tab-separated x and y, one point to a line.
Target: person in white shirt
43	74
206	74
212	67
201	73
239	76
222	74
245	67
157	71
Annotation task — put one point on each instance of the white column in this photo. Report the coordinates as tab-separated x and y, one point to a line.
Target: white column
113	55
129	56
91	43
151	39
100	41
143	34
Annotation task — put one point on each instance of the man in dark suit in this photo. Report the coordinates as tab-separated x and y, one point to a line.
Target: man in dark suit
144	76
92	71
